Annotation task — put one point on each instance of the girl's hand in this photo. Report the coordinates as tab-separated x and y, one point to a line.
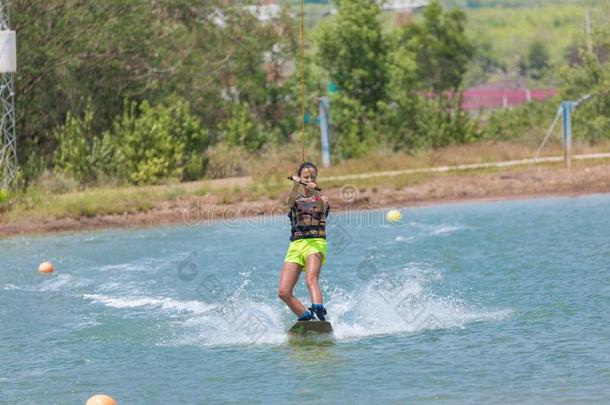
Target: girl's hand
311	185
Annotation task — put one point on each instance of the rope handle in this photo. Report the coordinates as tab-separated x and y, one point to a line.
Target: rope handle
305	184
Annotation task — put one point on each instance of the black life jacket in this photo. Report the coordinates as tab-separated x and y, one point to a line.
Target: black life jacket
307	217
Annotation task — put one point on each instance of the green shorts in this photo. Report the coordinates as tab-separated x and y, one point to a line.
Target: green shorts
301	248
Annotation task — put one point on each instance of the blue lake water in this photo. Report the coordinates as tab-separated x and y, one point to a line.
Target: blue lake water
504	302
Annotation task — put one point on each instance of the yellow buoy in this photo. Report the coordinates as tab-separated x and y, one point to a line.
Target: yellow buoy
46	267
101	399
393	216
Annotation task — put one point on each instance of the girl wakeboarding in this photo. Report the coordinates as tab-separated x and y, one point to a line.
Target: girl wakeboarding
307	250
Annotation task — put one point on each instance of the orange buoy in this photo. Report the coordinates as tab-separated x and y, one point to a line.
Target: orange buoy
101	399
46	267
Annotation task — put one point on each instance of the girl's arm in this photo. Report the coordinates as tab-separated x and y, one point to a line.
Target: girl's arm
293	192
324	203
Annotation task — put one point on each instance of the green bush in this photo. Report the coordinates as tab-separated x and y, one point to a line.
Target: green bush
242	129
80	153
157	143
516	123
591	119
4	200
147	145
355	127
443	122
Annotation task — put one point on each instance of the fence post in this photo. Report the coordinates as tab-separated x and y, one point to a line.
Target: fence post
324	120
567	107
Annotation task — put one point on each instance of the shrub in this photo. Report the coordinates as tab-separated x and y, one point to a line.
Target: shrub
80	153
4	200
517	123
354	126
242	129
156	143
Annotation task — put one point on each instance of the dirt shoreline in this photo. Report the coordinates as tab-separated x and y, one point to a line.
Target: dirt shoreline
530	182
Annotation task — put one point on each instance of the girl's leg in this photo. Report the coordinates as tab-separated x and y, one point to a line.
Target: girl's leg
288	278
313	265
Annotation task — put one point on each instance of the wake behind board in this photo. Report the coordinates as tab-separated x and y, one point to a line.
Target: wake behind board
311	329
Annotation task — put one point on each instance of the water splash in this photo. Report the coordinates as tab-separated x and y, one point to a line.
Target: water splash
402	303
244	317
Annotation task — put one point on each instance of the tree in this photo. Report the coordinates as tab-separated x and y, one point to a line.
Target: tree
428	65
353	49
114	52
441	48
74	52
591	120
537	61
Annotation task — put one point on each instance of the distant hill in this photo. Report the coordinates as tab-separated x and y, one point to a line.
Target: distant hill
503	31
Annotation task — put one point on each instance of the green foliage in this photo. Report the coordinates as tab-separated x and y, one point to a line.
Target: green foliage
415	124
516	124
356	125
441	48
536	62
591	119
73	51
157	143
80	153
483	64
504	35
5	200
353	50
427	65
241	129
147	145
181	73
384	81
538	56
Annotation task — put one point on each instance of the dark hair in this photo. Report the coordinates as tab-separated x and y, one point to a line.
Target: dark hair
307	165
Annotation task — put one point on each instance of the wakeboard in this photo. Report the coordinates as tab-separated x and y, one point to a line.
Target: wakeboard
311	328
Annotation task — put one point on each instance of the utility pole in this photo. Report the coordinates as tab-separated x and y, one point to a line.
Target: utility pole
8	67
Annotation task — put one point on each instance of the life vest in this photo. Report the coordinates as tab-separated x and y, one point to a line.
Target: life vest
307	217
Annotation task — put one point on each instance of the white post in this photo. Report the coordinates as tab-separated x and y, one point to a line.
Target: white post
8	66
324	123
566	108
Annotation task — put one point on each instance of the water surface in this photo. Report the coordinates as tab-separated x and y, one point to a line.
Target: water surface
503	302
